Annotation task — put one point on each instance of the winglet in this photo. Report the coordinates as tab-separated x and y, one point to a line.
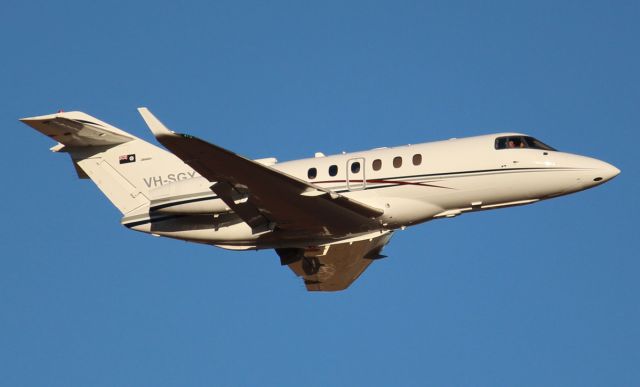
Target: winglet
157	127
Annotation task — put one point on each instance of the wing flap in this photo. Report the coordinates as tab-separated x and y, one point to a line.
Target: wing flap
239	203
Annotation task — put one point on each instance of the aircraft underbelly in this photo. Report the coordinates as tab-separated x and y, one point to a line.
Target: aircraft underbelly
403	204
228	231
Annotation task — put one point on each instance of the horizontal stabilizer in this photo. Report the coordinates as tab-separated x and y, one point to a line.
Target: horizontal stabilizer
77	129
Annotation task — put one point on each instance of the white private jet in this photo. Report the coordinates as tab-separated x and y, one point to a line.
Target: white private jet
327	217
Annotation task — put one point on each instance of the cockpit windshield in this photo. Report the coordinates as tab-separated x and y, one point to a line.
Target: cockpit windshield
512	142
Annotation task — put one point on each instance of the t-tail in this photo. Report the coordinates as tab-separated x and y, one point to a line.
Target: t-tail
124	167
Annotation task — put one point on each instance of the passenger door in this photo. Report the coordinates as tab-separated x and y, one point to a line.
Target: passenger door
355	174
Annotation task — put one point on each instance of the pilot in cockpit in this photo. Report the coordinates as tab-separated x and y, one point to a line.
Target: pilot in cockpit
515	143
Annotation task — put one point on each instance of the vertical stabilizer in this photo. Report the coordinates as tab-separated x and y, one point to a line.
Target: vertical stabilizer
124	167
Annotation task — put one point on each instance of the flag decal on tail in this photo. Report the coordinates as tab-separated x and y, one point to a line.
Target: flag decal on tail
127	159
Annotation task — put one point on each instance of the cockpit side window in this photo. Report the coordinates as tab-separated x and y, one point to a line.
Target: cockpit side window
537	144
517	142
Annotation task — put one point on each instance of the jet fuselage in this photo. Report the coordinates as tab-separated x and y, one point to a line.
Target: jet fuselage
411	184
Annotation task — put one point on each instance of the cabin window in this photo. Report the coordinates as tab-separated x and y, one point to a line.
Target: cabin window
333	170
519	142
417	159
355	167
397	162
377	164
312	173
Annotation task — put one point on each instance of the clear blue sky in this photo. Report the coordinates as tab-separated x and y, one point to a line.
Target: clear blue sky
543	295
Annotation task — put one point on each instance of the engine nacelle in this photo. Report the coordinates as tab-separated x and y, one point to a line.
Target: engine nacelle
190	196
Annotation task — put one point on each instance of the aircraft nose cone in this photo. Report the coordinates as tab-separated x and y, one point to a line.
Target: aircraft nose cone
605	172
